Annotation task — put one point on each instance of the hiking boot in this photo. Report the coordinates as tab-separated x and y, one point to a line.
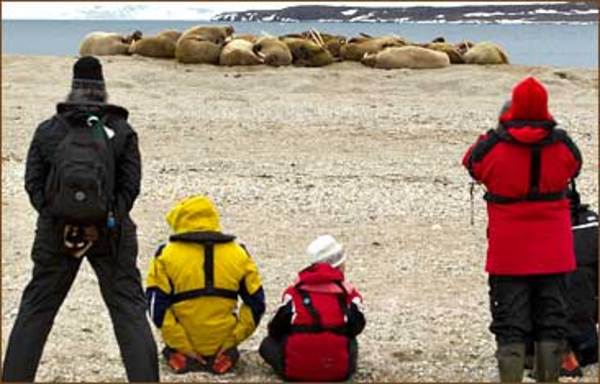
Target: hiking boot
547	361
570	366
180	363
511	362
225	361
177	362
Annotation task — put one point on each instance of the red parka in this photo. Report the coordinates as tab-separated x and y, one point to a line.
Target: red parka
526	165
319	319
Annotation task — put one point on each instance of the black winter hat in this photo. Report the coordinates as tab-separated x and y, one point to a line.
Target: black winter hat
87	73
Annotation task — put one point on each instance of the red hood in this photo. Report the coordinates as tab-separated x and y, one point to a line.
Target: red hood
529	106
320	273
528	134
529	102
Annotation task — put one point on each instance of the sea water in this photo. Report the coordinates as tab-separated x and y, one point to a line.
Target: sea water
562	45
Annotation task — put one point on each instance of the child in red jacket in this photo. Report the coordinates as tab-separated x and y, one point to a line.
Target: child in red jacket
312	337
526	164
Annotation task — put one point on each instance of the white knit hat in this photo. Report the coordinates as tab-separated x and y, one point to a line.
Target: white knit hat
325	249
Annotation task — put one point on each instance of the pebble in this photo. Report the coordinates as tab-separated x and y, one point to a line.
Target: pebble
287	158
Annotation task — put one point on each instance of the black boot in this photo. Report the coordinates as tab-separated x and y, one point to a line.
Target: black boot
547	361
511	362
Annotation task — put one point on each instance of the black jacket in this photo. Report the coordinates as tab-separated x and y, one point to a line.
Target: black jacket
124	143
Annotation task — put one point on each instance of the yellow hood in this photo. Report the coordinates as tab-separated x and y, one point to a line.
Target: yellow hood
195	213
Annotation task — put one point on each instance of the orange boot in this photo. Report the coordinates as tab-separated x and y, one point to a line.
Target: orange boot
181	363
570	366
177	362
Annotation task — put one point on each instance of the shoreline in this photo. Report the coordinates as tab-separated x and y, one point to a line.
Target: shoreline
526	44
331	66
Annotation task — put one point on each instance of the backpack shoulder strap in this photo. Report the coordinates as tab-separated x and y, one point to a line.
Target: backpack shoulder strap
535	168
484	146
209	289
562	136
308	304
343	299
317	325
202	237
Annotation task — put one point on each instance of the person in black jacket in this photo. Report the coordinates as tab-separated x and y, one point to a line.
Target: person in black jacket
582	287
59	245
581	298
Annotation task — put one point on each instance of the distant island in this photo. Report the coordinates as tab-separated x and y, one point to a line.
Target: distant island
567	12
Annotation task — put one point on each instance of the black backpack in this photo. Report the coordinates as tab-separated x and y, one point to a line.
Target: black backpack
79	188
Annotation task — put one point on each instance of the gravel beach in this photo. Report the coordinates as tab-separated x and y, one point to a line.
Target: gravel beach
370	156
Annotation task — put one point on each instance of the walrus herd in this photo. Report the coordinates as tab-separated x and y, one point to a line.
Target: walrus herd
220	45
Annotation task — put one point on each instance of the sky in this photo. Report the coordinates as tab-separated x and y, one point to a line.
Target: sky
178	10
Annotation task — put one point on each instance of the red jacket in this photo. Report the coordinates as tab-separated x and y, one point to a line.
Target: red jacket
319	319
526	165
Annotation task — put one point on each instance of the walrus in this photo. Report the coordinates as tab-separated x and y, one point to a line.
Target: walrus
486	53
463	47
355	48
273	51
307	53
202	44
449	49
161	45
239	52
332	43
107	43
245	36
406	57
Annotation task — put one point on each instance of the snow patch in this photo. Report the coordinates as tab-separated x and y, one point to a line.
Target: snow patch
470	22
225	17
548	12
349	12
366	17
513	21
435	21
586	12
484	14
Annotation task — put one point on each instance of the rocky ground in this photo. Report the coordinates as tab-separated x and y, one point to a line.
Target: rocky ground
370	156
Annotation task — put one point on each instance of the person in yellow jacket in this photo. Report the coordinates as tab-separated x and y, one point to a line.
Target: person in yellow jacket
193	286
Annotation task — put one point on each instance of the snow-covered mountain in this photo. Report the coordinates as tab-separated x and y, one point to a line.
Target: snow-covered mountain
568	12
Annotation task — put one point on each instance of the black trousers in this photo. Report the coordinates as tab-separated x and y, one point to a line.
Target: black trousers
272	350
114	262
583	310
582	313
526	307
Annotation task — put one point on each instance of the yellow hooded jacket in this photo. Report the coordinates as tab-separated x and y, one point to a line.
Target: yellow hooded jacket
195	279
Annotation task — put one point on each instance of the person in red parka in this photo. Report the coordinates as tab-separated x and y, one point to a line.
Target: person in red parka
526	164
312	336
